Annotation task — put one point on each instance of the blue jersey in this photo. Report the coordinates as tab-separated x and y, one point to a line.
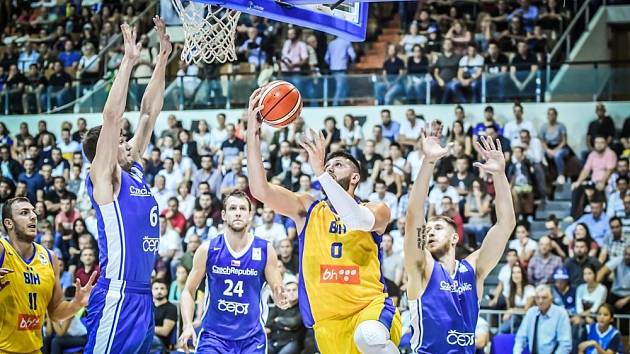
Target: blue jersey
444	318
608	340
128	229
234	307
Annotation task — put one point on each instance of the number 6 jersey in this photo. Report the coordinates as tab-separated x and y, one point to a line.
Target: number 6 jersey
234	307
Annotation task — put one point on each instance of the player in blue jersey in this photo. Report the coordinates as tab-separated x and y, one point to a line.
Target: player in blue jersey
237	266
120	311
443	292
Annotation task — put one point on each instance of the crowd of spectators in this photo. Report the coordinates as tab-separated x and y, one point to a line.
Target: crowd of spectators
584	257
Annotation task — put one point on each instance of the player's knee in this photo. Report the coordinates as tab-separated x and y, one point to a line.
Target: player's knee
372	337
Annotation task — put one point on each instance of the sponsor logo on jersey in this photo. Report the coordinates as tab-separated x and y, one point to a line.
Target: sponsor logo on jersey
455	287
43	259
235	263
235	308
139	192
135	172
460	339
339	274
256	254
28	322
234	271
462	268
150	244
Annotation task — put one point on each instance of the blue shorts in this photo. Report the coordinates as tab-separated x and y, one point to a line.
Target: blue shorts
120	318
208	343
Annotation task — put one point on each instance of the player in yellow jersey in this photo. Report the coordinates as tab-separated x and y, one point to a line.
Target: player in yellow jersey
28	282
342	293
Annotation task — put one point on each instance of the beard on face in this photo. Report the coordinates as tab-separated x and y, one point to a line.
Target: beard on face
22	234
344	182
236	228
160	297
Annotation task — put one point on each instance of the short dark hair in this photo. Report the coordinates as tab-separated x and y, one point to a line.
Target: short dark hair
446	219
510	250
488	109
161	281
552	218
518	104
577	240
237	194
622	178
615	218
347	155
7	208
329	118
89	142
386	111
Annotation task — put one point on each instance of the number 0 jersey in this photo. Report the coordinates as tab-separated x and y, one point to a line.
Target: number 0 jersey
24	298
234	308
340	269
128	230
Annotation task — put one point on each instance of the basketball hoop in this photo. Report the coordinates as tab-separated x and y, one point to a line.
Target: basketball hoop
209	32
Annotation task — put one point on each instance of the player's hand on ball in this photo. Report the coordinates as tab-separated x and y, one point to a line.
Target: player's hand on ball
82	294
253	111
315	146
187	334
280	298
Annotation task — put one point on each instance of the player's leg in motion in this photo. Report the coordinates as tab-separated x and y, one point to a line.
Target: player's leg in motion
372	337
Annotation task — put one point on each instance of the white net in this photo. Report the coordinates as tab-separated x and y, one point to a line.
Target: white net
209	32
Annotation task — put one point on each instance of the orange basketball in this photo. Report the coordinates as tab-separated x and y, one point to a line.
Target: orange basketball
282	102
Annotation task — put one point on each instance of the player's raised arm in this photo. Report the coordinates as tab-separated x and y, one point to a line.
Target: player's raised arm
487	257
417	255
277	198
153	97
105	158
187	301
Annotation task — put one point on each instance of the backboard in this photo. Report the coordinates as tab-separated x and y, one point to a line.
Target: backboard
348	20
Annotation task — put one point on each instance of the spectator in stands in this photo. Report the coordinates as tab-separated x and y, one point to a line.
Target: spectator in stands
615	242
469	75
614	205
393	77
597	222
601	336
462	179
172	177
160	193
332	134
495	67
9	167
168	248
284	328
513	128
186	200
339	55
603	126
445	72
67	145
546	327
599	165
185	163
417	75
251	48
535	155
523	245
33	179
67	215
165	313
622	169
392	261
477	212
523	70
522	182
439	191
620	289
576	264
528	13
88	266
89	66
34	84
269	229
286	256
393	181
554	139
559	240
381	194
520	299
174	216
351	134
389	129
582	232
69	57
188	81
191	247
69	333
412	39
13	89
200	227
58	89
553	15
294	57
542	265
501	292
451	210
232	147
562	291
177	285
460	35
207	174
589	296
482	335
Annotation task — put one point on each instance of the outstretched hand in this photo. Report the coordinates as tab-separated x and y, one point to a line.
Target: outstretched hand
315	146
253	110
280	298
430	138
132	49
82	294
165	42
492	154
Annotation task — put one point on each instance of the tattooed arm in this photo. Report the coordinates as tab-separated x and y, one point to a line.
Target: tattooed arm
418	260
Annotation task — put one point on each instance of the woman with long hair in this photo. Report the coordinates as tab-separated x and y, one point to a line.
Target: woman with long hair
524	246
351	134
203	137
393	181
520	299
457	133
460	35
588	296
477	210
582	232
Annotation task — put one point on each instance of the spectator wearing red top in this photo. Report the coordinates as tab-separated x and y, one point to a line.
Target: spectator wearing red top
174	216
67	214
88	266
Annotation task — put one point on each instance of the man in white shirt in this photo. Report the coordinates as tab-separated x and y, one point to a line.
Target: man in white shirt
410	128
218	134
392	265
381	194
169	247
398	235
512	129
270	230
469	74
440	190
184	164
381	144
502	290
200	227
172	176
160	193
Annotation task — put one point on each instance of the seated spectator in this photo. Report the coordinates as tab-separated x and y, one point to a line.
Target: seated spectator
509	38
88	266
477	212
441	189
392	85
553	136
417	75
501	292
58	90
251	48
519	300
614	205
392	262
523	70
599	165
576	264
393	181
34	85
562	291
165	314
69	57
284	328
615	242
291	178
200	227
524	246
231	148
445	73
513	128
622	169
351	134
535	155
603	126
482	335
542	265
522	182
553	15
460	35
528	12
67	215
485	32
537	42
176	220
412	39
488	120
177	285
339	56
287	257
12	90
169	246
546	326
191	247
270	230
597	223
589	296
495	67
469	75
388	129
619	294
559	240
90	65
601	336
381	194
410	129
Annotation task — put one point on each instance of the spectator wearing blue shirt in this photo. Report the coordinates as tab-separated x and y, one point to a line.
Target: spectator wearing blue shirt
597	222
488	119
528	12
27	57
563	292
546	327
339	55
32	178
602	336
69	57
390	128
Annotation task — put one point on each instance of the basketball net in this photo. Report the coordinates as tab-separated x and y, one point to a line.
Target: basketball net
209	32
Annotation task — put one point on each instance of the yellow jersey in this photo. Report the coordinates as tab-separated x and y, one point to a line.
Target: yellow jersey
340	269
24	298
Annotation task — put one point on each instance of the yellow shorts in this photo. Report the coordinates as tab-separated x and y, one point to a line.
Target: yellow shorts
337	336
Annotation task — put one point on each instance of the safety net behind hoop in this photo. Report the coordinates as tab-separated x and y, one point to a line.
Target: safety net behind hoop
209	32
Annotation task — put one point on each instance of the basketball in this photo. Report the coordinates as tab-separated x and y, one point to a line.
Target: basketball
282	102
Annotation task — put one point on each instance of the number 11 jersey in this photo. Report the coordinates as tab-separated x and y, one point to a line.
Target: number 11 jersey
234	307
